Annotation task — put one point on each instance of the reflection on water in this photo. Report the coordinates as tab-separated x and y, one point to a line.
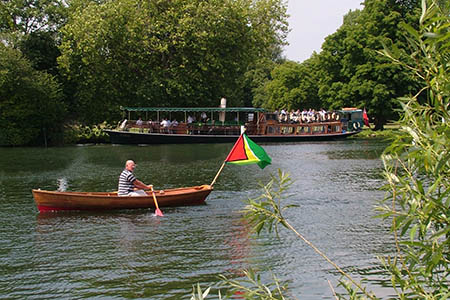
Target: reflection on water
133	254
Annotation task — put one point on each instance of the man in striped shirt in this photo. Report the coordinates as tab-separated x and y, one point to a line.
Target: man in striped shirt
129	185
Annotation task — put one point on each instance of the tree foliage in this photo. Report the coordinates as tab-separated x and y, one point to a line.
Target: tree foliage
166	53
255	80
293	86
417	165
27	16
348	72
41	50
30	101
192	53
355	75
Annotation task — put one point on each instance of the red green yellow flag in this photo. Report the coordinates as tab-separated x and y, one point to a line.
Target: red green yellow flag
246	152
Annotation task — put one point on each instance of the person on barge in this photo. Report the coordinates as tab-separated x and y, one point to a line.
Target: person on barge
139	124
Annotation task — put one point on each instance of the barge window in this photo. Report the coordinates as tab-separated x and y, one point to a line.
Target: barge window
303	129
273	130
356	116
271	117
318	129
287	130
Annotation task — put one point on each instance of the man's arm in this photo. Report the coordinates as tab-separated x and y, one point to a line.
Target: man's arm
140	185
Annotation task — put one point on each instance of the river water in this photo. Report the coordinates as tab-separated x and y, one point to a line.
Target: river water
131	254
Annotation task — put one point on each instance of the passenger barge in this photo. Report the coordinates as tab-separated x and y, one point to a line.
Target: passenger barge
224	125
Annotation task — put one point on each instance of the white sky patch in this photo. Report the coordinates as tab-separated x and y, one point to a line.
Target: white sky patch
311	21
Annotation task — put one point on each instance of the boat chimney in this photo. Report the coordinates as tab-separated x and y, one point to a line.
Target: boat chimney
223	104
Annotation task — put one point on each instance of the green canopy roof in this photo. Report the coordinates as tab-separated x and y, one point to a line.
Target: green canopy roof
195	109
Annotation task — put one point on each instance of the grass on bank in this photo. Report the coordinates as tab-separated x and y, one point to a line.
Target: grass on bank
390	131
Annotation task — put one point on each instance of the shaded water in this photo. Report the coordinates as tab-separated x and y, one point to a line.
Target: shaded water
133	254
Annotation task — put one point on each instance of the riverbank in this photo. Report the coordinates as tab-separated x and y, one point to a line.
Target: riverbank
79	134
82	134
390	132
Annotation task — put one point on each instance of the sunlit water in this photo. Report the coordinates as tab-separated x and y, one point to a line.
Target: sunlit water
132	254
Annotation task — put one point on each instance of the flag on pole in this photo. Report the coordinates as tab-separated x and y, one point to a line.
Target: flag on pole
245	152
365	117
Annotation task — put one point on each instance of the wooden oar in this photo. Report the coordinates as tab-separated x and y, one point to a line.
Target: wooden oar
158	212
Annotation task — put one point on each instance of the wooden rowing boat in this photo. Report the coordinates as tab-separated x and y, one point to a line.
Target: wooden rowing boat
56	201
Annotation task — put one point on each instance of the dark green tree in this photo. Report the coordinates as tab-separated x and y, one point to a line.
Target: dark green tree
30	30
31	104
258	75
41	50
354	74
255	80
293	86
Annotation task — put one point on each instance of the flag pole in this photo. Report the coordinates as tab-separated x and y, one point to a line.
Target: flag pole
223	165
218	173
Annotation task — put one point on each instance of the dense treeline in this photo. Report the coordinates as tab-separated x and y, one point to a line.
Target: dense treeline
349	71
95	56
79	61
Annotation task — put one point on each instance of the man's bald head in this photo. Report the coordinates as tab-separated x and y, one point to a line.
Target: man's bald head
130	165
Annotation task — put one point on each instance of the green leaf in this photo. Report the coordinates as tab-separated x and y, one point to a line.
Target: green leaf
424	11
412	233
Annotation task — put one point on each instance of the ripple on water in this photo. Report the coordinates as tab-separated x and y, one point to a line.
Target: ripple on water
133	254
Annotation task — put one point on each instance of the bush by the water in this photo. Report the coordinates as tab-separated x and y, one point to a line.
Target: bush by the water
82	134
